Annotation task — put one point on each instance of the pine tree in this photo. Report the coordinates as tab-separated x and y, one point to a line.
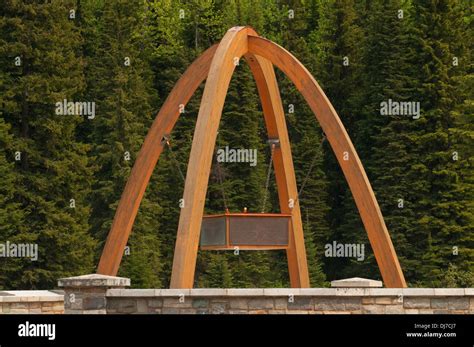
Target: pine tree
203	23
261	15
11	214
165	26
124	100
383	143
338	50
443	223
53	177
218	273
308	138
313	253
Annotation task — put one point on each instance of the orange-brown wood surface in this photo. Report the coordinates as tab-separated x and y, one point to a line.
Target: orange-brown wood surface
342	146
218	64
274	115
245	248
248	214
232	46
146	162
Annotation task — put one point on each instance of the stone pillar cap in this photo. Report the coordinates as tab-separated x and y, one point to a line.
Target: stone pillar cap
356	282
94	280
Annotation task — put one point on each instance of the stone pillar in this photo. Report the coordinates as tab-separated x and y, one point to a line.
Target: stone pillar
87	294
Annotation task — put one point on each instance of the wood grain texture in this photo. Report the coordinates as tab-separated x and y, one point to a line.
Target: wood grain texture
218	64
274	115
146	162
232	46
341	144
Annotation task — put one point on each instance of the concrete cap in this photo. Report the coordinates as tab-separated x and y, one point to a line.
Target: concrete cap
356	282
94	280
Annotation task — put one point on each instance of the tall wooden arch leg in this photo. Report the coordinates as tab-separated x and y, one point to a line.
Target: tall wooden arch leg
146	162
235	44
345	152
267	85
231	48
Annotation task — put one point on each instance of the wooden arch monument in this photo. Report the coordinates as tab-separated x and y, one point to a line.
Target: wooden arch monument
216	65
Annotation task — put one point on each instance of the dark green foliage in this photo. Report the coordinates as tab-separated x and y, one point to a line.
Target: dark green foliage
421	169
119	81
442	214
338	68
306	140
11	214
54	165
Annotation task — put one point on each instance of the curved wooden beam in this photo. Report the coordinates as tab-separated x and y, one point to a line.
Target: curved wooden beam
343	148
232	46
147	159
218	64
274	115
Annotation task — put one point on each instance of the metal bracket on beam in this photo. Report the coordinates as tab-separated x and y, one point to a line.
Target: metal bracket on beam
166	139
274	142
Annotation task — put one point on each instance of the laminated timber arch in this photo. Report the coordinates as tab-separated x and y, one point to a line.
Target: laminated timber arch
217	64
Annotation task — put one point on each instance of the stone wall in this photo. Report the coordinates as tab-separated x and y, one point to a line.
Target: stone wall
31	301
108	295
288	301
98	294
